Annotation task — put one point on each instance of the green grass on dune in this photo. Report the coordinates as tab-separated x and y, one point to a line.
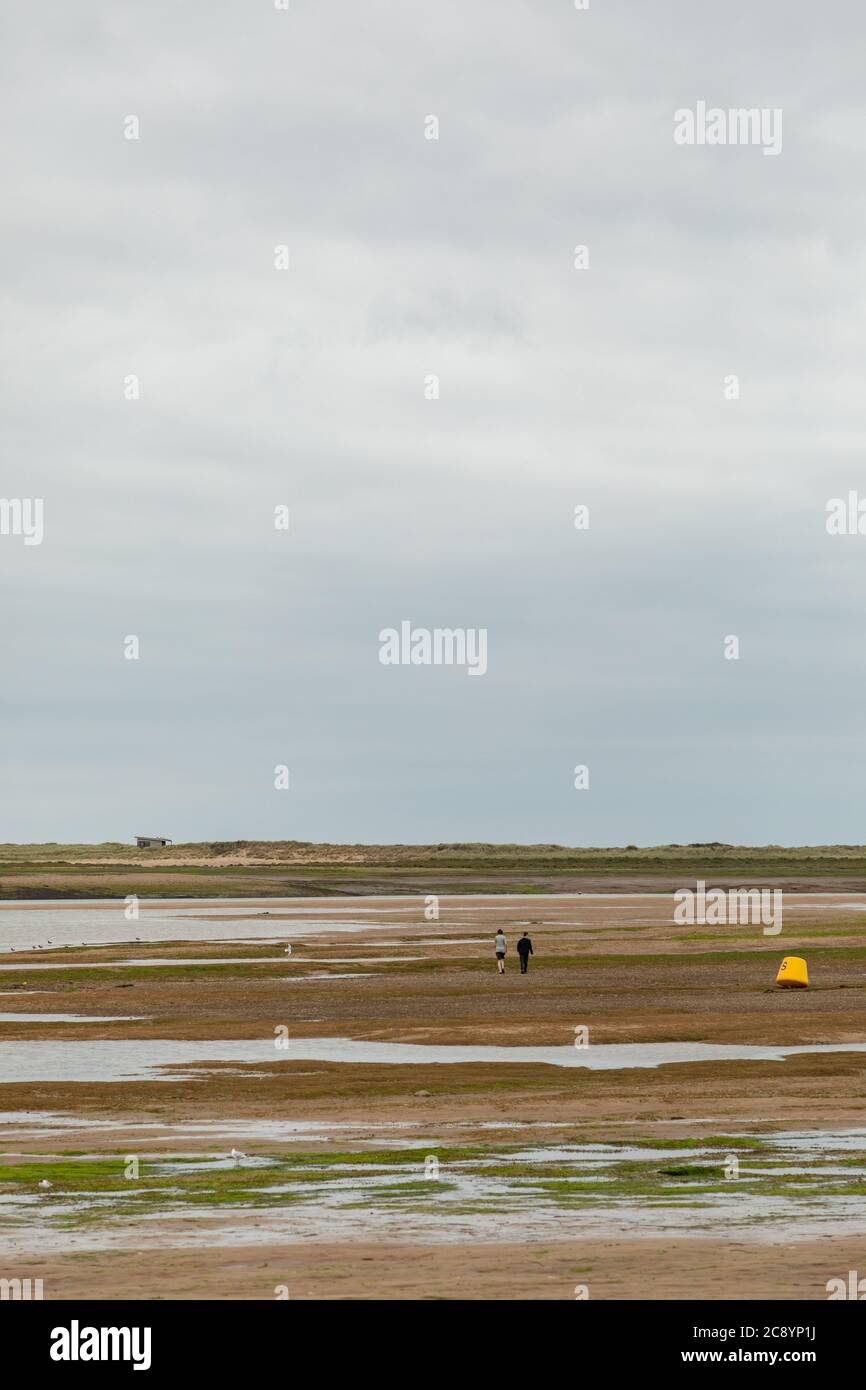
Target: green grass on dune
297	868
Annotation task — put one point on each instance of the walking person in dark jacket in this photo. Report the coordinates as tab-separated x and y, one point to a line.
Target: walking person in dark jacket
524	950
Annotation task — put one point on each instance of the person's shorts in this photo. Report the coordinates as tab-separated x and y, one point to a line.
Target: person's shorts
500	955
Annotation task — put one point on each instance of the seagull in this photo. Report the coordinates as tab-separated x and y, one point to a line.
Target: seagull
289	949
45	1183
237	1156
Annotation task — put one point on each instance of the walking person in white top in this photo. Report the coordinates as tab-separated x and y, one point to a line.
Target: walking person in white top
501	948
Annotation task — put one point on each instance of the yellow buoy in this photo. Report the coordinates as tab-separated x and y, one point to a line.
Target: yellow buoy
793	973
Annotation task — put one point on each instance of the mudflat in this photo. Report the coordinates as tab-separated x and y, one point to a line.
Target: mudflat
554	1270
477	1179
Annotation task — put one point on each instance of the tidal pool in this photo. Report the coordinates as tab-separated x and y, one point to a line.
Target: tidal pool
126	1059
772	1187
105	923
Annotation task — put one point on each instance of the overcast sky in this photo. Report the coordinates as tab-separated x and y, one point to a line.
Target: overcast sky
411	257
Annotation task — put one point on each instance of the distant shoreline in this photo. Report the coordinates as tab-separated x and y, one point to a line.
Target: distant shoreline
277	869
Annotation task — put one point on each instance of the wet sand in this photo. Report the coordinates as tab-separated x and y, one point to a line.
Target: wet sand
616	966
561	1270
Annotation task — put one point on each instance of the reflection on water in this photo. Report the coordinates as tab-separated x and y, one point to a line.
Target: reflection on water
143	1059
26	929
498	1194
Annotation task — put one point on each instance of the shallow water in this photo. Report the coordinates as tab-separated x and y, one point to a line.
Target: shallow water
103	922
153	961
49	929
766	1221
16	1124
470	1197
144	1059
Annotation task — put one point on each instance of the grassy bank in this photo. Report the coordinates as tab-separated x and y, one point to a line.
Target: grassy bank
292	868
